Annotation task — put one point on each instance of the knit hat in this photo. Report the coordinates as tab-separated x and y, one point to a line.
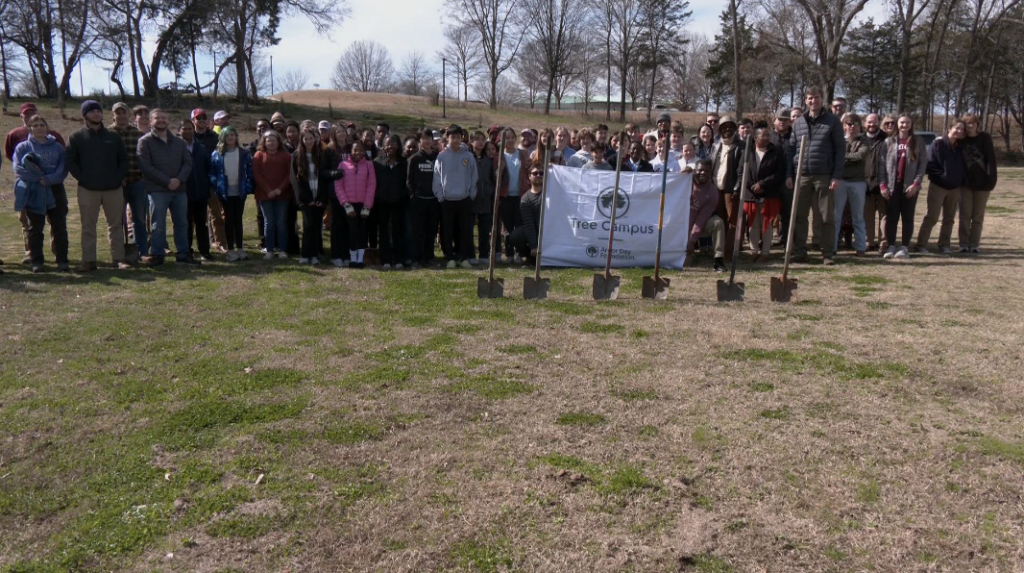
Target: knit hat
664	117
27	107
90	105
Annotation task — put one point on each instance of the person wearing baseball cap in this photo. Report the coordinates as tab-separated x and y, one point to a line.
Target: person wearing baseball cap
324	127
96	157
14	137
221	119
135	195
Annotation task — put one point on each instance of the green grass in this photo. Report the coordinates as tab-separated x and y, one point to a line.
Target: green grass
822	361
580	419
483	556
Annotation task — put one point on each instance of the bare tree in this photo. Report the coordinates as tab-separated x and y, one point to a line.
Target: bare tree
907	12
462	50
414	73
588	68
530	73
295	80
499	36
554	29
625	15
829	20
662	20
365	66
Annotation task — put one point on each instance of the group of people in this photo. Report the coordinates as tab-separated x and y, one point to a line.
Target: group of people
394	197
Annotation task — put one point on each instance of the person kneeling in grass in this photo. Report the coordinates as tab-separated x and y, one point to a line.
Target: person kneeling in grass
703	220
524	238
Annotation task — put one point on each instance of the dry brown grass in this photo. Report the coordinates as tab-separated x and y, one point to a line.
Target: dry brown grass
880	432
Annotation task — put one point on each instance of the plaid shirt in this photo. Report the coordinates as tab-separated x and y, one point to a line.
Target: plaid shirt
130	135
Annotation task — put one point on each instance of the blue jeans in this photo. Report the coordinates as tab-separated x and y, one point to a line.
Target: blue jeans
138	201
275	221
854	192
177	202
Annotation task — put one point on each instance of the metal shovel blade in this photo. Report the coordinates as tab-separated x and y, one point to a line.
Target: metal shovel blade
655	288
731	292
782	290
606	287
490	289
534	289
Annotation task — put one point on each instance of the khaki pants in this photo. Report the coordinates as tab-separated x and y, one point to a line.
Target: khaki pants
217	235
972	215
940	201
715	229
89	205
874	205
814	192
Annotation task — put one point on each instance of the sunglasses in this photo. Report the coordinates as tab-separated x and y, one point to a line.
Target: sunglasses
536	173
715	121
889	123
849	124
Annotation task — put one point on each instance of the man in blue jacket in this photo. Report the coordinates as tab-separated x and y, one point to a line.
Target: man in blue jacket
822	173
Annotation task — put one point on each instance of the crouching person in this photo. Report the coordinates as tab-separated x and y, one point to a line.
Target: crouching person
703	220
524	238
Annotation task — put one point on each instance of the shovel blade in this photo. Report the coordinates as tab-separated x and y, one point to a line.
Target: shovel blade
731	292
490	288
606	287
656	289
782	290
534	289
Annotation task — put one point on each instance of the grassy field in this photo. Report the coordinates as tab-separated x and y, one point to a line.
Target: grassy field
266	417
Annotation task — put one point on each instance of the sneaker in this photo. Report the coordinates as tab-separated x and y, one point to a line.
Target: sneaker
859	254
399	266
37	268
188	261
123	266
923	250
451	264
889	253
64	268
263	250
828	261
466	264
385	267
964	250
946	251
282	255
303	261
314	262
26	260
719	265
87	267
206	258
517	260
475	261
902	254
243	255
268	256
232	256
353	265
153	261
975	251
338	263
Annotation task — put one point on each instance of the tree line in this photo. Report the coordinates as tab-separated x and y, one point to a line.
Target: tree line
935	58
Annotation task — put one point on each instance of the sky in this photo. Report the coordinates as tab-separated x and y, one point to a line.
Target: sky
403	27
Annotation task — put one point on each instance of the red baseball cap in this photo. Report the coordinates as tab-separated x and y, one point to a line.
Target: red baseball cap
198	112
26	107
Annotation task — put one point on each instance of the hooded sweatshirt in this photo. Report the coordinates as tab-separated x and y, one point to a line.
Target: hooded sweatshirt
455	175
946	166
51	160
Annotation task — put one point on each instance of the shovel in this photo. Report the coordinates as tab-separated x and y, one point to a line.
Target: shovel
783	287
536	288
606	285
491	287
733	291
656	287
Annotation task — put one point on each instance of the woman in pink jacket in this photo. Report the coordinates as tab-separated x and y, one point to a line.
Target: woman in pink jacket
355	193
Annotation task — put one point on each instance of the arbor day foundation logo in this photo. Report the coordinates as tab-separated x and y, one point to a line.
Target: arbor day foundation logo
604	203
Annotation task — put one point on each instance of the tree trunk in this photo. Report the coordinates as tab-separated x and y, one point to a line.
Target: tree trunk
131	55
547	100
493	103
3	64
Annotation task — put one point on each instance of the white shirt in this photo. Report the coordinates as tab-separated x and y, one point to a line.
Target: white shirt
231	166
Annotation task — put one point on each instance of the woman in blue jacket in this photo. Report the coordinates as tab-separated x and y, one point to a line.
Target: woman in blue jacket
39	190
232	180
946	171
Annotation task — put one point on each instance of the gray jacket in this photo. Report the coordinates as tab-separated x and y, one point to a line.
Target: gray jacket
455	175
913	171
160	161
826	144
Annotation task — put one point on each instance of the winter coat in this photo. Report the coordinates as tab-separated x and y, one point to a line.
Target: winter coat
946	167
359	183
160	161
485	183
29	193
857	152
980	160
219	179
391	181
326	174
771	173
198	185
826	144
51	160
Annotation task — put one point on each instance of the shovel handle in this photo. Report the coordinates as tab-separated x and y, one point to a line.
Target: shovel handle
661	207
615	204
494	212
792	211
740	214
543	201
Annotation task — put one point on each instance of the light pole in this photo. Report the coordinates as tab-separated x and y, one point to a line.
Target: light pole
444	88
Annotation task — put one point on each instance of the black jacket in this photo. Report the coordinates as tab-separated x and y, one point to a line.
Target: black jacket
946	167
484	201
420	179
198	185
209	139
771	173
980	160
391	182
327	173
645	166
97	159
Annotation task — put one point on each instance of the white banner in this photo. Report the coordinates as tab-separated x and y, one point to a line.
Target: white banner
578	218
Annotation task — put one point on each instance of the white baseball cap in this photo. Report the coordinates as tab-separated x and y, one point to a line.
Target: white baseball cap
324	124
221	115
